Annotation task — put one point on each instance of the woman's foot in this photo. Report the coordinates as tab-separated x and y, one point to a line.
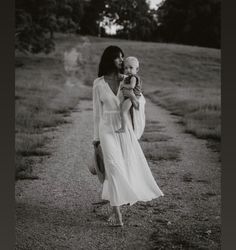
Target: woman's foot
115	220
121	130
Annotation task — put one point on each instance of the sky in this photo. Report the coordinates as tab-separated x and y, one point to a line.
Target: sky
112	29
153	3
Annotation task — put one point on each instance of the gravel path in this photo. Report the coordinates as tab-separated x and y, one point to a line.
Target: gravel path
57	211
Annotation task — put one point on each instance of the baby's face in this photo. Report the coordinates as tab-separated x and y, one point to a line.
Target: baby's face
130	68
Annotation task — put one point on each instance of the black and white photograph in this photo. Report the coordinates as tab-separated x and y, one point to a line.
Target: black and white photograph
118	124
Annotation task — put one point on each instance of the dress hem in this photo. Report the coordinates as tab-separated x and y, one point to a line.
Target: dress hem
133	202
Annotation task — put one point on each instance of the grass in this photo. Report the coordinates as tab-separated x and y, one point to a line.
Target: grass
29	144
199	108
43	98
156	152
186	81
183	79
153	127
154	137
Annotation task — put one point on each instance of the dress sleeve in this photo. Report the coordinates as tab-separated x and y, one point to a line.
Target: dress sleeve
139	117
97	111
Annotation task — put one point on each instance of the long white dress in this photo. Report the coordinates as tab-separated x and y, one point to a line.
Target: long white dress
128	178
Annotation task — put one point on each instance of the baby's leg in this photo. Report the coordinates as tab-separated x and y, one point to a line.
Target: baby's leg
135	101
125	107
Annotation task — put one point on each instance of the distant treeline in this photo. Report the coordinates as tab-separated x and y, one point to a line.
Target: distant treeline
194	22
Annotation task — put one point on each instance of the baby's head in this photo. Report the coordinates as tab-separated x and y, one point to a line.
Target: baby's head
131	65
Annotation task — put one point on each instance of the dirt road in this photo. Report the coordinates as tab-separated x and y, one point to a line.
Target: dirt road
57	211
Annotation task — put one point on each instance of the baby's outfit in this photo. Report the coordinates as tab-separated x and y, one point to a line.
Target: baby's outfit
138	86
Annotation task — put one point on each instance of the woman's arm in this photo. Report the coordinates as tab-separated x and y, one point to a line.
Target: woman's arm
97	111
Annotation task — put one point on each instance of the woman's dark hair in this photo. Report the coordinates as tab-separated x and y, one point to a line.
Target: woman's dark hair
107	65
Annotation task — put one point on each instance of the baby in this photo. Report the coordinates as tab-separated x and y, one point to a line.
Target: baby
132	84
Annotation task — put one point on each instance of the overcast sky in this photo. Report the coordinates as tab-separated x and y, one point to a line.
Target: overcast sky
153	3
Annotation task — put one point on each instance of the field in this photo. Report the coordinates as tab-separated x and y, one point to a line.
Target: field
60	210
182	79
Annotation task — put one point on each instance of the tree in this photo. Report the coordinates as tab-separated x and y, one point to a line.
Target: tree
77	13
132	15
35	21
93	15
67	18
195	22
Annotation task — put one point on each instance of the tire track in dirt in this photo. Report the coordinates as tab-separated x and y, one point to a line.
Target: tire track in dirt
190	209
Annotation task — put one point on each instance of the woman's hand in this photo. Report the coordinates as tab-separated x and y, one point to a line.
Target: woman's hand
96	143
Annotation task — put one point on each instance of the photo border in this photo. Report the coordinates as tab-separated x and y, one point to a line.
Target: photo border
7	134
228	153
7	182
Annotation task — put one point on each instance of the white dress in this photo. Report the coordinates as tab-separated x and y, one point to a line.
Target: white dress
128	178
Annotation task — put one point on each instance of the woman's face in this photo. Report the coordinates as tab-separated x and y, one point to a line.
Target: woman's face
119	61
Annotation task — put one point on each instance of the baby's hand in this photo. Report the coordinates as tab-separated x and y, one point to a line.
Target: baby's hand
121	77
96	143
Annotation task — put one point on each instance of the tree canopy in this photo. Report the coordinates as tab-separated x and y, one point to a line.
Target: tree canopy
191	22
195	22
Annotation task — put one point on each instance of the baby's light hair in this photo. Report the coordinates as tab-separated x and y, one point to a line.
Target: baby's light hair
133	60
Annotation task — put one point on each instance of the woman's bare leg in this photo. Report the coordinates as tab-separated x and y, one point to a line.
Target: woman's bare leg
125	107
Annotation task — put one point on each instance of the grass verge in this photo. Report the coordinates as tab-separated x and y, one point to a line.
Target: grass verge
44	94
199	108
156	152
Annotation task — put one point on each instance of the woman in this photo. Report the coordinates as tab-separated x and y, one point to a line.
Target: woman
128	178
